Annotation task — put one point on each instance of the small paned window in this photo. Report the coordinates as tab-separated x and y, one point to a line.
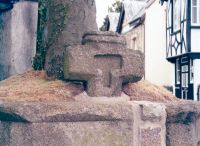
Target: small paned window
178	71
176	15
183	9
195	12
191	71
185	76
198	93
184	93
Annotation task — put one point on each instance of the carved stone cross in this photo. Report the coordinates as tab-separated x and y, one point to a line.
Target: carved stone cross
104	62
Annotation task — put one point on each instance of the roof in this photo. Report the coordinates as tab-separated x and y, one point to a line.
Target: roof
149	3
138	19
162	1
133	14
132	8
140	14
113	19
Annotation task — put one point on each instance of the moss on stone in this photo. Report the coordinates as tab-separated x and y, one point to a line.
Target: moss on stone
49	28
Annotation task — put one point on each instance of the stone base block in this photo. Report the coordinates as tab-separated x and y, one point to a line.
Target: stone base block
183	124
85	123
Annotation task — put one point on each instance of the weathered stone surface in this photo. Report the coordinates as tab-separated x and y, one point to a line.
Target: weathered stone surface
150	124
105	133
97	123
180	135
152	111
18	38
105	38
104	62
73	18
66	111
184	112
183	120
82	123
151	137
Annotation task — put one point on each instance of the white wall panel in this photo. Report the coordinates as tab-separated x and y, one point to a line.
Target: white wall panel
195	40
196	76
157	69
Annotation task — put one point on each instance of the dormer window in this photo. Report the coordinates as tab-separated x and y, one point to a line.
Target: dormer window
195	12
176	15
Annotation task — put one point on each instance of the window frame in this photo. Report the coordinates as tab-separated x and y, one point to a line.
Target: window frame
184	75
134	42
174	30
197	15
178	71
191	71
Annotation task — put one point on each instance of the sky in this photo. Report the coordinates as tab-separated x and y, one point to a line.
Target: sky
102	10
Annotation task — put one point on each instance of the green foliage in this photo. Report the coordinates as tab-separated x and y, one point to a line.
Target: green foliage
56	24
116	7
39	59
105	23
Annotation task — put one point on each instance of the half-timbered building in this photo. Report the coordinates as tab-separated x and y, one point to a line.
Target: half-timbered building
183	46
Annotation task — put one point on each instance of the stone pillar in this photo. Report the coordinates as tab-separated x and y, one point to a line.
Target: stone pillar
18	38
183	120
67	20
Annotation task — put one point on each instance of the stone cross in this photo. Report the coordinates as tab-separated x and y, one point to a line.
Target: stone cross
104	62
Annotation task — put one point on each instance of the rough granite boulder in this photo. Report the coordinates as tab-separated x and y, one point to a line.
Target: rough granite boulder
66	23
104	63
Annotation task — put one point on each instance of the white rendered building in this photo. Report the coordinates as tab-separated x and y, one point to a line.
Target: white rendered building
143	23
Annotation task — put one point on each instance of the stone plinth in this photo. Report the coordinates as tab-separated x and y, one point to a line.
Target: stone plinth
149	126
18	38
183	124
104	62
85	123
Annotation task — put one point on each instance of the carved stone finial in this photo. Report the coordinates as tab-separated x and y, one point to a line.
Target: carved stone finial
104	62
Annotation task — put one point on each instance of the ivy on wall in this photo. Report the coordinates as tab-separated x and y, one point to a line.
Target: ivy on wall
39	60
52	19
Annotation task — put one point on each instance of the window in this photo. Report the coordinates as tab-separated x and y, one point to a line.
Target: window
134	43
176	15
195	12
185	76
178	71
191	71
183	9
198	93
184	93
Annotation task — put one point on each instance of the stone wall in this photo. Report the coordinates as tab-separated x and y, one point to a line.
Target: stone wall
183	124
86	123
135	38
18	38
100	122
